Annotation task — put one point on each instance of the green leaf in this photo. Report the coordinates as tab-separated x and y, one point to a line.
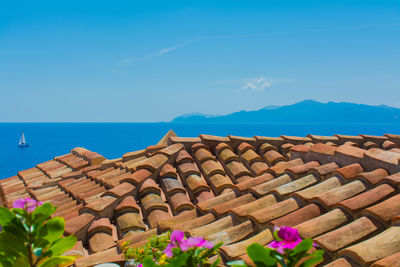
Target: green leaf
183	260
199	251
260	255
53	261
316	257
300	251
275	234
61	245
21	212
212	251
21	262
302	247
18	247
176	251
43	213
5	262
16	232
238	263
215	263
6	216
52	229
148	262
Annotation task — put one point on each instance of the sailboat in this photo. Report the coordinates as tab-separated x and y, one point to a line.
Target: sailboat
22	141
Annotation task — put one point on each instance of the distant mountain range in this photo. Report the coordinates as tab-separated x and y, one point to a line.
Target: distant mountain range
307	111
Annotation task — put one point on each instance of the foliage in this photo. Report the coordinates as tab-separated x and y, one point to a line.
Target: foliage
154	248
30	237
178	252
287	250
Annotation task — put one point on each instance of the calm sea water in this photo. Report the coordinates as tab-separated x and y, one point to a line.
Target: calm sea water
112	140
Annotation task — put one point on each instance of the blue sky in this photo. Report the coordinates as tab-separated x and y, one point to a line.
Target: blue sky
154	60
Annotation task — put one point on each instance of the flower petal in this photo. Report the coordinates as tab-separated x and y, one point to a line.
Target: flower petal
168	250
177	236
206	244
289	234
274	244
19	203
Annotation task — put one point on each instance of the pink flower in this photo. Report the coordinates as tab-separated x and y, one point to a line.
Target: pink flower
195	242
168	250
290	238
177	237
178	240
27	204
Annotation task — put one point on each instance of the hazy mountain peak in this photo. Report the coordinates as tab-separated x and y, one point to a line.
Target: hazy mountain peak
306	111
271	107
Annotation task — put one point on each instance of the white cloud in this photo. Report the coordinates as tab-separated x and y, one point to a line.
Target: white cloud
169	49
252	85
166	50
258	84
163	51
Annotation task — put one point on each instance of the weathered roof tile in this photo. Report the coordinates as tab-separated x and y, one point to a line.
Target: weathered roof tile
385	210
224	208
346	235
311	192
265	188
322	224
373	177
391	260
239	248
355	204
296	217
274	211
335	195
246	185
251	188
302	169
348	172
375	248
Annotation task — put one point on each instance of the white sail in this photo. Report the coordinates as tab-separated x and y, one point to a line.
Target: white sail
22	140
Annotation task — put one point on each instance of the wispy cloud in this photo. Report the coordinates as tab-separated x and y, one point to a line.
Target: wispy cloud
170	49
166	50
158	53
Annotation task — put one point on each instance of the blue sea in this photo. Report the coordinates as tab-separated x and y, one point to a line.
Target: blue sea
112	140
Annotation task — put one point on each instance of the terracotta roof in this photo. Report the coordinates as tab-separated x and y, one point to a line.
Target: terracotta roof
342	191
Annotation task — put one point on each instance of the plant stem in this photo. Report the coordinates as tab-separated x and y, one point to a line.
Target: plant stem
30	252
282	262
30	244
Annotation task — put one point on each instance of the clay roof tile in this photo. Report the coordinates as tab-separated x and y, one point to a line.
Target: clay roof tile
183	156
389	145
128	203
168	171
149	186
296	217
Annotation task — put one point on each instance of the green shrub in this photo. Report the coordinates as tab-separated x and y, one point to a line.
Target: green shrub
154	249
287	250
30	237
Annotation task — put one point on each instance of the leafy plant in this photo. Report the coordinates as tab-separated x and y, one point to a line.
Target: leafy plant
154	249
182	252
287	250
30	237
